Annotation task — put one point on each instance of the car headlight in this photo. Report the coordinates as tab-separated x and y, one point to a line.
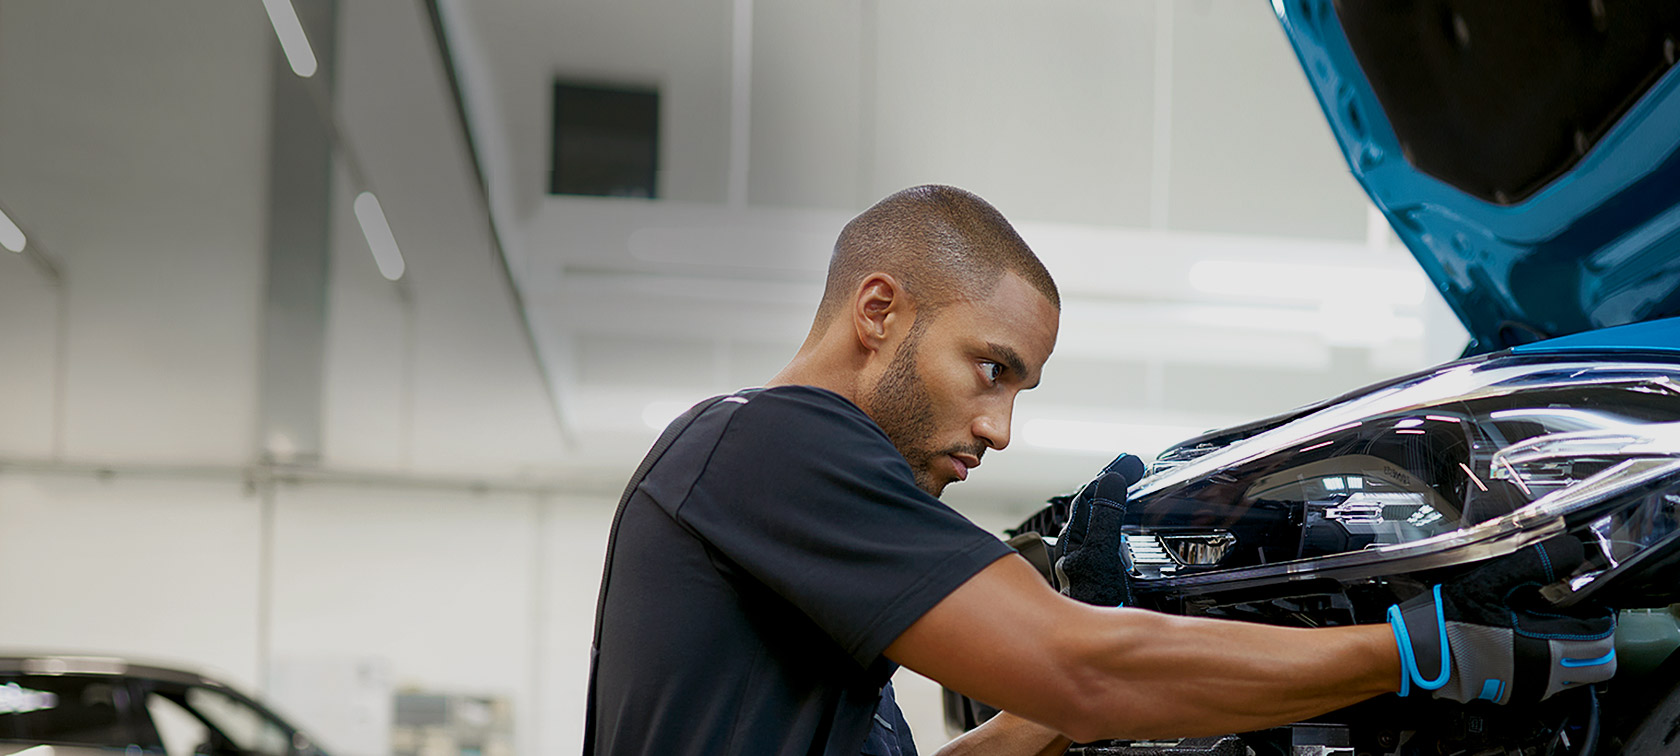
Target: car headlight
1468	462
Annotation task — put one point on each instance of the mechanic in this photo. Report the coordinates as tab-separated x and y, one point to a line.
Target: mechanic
781	551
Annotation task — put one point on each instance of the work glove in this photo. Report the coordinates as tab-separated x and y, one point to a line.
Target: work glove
1091	561
1490	636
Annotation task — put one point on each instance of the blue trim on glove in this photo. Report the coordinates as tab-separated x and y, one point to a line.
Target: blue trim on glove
1403	642
1408	658
1491	690
1605	659
1446	650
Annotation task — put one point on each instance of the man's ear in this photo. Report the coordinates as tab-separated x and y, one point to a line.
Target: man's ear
880	306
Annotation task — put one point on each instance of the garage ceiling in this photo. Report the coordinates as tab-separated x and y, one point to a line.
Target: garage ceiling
1148	150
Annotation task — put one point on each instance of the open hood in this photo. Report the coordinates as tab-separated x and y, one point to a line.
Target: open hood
1527	153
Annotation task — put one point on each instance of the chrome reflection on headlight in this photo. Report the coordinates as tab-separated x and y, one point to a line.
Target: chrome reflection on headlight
1432	395
1458	464
1200	549
1642	463
1625	510
1146	551
1158	555
1546	464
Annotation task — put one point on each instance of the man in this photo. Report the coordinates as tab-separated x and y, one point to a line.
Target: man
786	549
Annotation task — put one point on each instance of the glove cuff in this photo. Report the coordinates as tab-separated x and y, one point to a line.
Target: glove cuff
1420	633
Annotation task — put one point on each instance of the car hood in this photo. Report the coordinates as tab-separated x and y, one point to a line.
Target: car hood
1527	154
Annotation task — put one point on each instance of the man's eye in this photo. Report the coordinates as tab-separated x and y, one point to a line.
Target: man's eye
993	370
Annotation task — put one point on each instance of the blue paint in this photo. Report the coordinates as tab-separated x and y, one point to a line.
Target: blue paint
1598	247
1655	336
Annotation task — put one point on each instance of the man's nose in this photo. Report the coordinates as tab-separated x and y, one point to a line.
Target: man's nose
993	426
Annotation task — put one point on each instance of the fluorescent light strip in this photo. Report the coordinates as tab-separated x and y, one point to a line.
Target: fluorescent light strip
379	236
1472	474
293	41
11	237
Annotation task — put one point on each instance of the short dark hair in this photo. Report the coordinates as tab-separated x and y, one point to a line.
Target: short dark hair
943	244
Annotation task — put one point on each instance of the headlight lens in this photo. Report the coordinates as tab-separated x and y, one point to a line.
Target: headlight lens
1466	463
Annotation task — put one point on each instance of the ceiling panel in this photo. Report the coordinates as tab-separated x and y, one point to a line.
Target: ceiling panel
1250	150
1034	106
808	112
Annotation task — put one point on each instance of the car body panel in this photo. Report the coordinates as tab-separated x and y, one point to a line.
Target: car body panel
1597	246
1654	336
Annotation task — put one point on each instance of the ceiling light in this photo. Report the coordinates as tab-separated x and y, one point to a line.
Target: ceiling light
379	237
11	237
292	39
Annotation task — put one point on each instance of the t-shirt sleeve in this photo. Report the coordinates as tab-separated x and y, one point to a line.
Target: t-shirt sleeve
808	496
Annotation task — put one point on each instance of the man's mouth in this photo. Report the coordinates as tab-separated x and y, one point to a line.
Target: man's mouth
963	463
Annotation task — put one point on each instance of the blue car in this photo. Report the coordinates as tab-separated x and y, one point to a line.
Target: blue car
1528	154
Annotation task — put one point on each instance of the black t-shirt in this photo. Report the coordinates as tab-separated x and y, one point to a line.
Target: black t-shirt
759	571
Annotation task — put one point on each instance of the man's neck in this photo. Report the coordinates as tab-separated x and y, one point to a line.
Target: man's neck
824	363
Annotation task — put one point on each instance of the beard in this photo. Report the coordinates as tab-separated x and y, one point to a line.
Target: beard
900	404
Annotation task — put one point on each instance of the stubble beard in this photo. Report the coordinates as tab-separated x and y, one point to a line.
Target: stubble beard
900	404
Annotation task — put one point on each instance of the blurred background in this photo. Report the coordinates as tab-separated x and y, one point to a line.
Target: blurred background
330	330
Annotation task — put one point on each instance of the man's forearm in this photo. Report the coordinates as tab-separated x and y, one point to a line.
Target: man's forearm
1145	674
1007	735
1006	638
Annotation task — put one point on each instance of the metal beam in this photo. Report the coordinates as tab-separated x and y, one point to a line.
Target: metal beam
299	212
452	75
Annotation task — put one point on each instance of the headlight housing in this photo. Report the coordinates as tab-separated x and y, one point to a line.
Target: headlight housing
1466	462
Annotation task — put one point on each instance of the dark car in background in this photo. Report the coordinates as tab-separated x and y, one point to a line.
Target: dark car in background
66	705
1528	154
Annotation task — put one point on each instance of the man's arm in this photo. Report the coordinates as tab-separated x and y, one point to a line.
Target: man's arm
1007	735
1006	638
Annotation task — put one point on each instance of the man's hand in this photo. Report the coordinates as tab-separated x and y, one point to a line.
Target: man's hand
1091	561
1490	636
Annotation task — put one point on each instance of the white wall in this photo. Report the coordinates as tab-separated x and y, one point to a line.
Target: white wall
484	593
478	593
156	568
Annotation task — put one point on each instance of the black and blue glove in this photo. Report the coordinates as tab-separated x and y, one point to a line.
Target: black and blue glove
1490	636
1091	561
